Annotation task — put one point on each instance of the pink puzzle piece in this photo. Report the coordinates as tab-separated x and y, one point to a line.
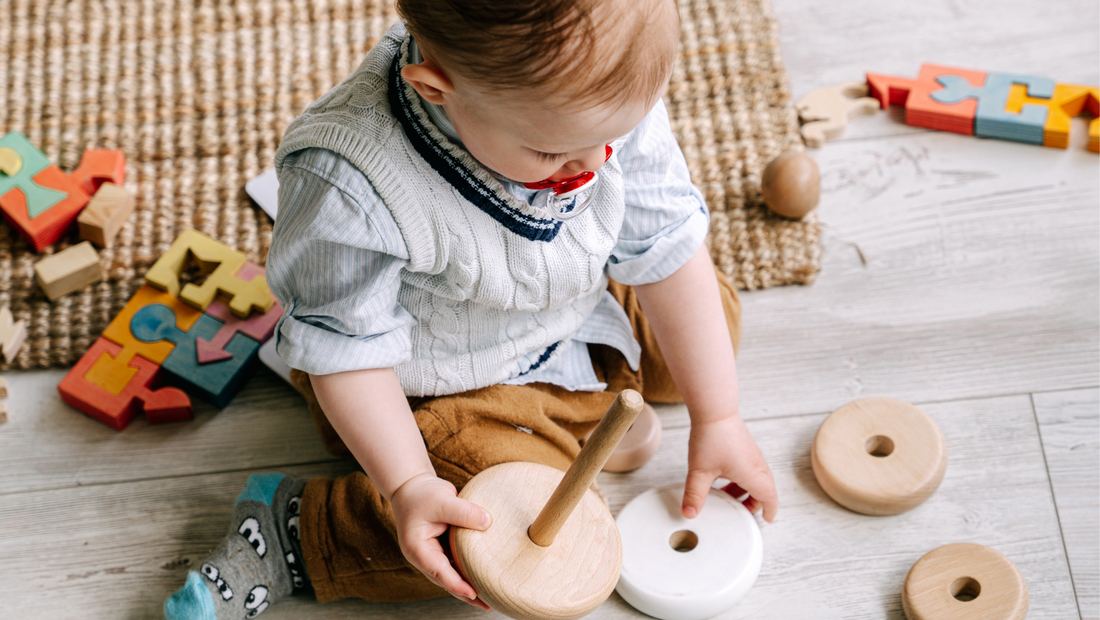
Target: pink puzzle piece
259	327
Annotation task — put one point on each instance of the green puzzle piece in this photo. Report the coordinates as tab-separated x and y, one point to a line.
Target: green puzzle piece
34	161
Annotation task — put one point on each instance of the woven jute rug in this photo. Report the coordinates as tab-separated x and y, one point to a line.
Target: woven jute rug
198	92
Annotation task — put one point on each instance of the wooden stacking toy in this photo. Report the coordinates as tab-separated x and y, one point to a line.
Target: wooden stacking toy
824	112
791	184
641	442
546	556
687	569
964	581
879	456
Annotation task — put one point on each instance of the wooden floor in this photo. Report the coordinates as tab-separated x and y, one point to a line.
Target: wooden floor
959	274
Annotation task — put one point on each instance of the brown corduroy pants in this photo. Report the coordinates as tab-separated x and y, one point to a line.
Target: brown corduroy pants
348	534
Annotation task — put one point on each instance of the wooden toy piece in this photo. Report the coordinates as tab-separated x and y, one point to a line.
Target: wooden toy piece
99	166
791	184
118	410
3	387
101	220
216	382
221	263
1094	135
3	412
1068	101
825	111
963	581
992	120
879	456
921	110
28	161
561	562
12	334
259	327
39	201
118	371
687	569
641	442
10	161
69	270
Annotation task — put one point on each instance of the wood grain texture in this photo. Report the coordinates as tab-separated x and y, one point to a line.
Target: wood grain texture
1069	423
962	581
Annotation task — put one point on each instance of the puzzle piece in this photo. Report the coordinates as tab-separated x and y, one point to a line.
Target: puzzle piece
992	121
117	410
98	166
10	162
217	382
30	161
39	225
1068	101
826	111
69	270
221	263
921	110
259	327
100	221
115	374
12	334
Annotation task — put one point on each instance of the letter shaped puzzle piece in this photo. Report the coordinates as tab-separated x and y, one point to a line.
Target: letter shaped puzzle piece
117	410
992	119
39	200
1068	101
217	382
826	111
922	110
259	327
222	263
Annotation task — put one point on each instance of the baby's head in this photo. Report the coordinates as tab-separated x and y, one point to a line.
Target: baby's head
537	88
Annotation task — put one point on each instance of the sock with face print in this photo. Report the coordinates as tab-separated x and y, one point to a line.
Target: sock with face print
257	563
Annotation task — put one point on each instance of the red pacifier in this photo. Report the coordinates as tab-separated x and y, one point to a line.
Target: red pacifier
558	201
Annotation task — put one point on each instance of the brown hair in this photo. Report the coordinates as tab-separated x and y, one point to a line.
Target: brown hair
548	45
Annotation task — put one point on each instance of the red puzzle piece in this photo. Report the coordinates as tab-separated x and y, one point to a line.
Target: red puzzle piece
47	227
98	166
117	411
920	109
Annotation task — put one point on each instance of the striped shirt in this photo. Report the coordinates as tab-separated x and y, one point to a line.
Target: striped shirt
337	255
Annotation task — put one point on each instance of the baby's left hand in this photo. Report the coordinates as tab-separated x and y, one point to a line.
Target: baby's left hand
725	448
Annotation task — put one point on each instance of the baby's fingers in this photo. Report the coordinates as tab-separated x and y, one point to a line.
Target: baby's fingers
761	488
457	511
431	561
695	492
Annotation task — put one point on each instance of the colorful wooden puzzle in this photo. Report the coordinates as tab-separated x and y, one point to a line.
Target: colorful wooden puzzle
157	338
1005	106
39	200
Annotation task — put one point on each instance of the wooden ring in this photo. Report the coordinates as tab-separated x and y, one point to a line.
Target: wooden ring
879	456
687	569
963	581
640	443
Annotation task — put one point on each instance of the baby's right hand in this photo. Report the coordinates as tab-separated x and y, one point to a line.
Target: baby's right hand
423	507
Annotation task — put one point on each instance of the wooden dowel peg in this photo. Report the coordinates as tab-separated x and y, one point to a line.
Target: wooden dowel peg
584	470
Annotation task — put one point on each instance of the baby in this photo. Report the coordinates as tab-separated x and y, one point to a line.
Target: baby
484	234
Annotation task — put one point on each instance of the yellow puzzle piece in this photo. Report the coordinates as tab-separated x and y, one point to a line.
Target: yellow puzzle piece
1068	101
221	263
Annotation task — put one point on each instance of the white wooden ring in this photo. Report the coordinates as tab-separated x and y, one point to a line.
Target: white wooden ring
879	456
640	443
963	581
719	556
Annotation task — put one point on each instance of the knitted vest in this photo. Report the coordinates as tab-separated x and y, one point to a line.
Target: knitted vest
491	280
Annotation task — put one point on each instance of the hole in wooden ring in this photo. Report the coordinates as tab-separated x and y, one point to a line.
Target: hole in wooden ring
683	540
965	589
879	446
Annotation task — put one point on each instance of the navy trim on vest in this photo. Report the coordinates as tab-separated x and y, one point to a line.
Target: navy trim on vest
471	188
542	359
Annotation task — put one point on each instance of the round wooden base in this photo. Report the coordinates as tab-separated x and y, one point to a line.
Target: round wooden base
964	581
687	569
879	456
568	579
639	444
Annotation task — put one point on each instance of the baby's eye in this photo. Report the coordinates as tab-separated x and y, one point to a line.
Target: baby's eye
548	157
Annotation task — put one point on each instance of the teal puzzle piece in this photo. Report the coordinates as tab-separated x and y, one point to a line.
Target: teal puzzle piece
217	382
991	119
34	161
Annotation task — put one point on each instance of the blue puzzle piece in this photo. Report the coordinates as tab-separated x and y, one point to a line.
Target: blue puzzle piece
217	382
991	119
34	161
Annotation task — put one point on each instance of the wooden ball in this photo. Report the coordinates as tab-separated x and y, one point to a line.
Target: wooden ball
963	581
879	456
791	184
640	443
568	579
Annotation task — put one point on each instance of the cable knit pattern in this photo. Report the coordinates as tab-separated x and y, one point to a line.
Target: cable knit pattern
490	278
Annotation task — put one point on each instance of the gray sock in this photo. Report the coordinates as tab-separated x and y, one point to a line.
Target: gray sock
257	564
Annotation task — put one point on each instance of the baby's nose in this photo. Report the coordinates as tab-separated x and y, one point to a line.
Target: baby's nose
589	160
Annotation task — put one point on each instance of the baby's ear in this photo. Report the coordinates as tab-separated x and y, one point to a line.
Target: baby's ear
429	81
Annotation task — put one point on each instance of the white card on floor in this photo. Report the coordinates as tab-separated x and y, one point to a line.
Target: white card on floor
271	359
264	189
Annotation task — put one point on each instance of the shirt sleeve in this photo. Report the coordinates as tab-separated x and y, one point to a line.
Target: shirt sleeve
335	263
666	218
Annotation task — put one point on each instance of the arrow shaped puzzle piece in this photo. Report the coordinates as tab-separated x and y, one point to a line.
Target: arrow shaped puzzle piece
259	327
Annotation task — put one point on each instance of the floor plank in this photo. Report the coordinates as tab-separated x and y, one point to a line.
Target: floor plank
135	540
1069	423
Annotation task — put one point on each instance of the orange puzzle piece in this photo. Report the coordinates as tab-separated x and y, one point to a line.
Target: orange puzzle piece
1068	101
222	265
916	95
99	166
118	410
46	227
